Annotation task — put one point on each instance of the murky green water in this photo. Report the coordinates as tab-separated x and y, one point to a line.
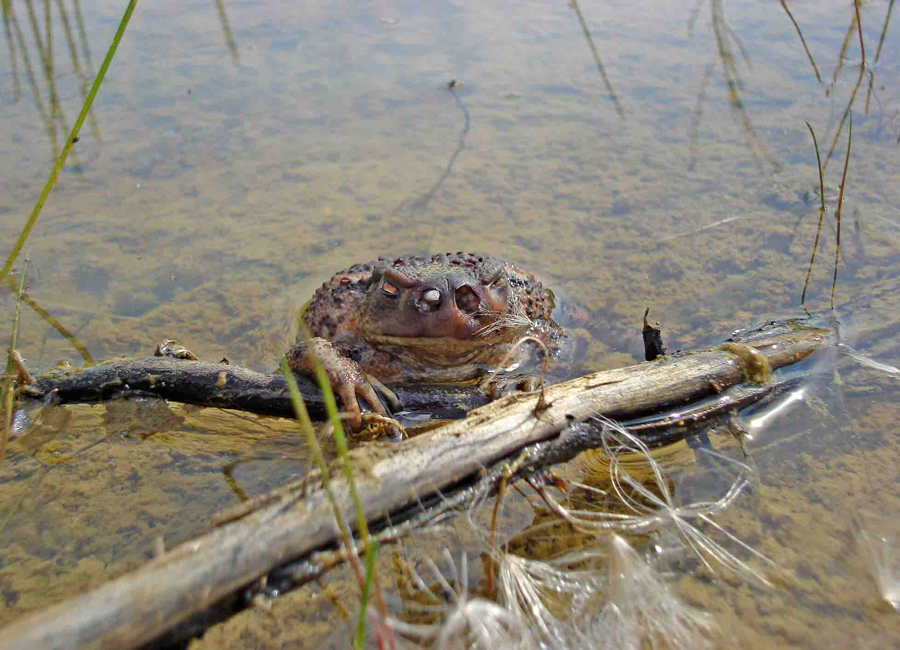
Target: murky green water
242	157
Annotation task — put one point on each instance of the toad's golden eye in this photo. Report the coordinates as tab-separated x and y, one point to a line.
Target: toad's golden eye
389	290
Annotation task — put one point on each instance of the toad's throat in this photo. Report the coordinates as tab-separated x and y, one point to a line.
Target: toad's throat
447	352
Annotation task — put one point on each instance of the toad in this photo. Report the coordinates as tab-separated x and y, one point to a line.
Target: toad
444	318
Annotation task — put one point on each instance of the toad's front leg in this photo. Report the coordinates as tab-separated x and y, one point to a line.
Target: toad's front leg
344	374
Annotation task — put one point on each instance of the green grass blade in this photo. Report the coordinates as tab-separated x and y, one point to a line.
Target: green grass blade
371	554
70	141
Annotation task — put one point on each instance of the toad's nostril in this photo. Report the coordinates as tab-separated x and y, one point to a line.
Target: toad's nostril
467	300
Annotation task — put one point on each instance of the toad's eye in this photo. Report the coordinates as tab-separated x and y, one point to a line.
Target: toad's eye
389	290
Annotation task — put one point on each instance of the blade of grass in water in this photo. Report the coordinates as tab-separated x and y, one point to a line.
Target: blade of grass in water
70	141
319	458
371	554
343	453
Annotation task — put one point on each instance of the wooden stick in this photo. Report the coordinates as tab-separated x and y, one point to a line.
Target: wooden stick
223	386
140	606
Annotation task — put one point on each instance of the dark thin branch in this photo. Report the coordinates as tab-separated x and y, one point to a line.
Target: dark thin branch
220	385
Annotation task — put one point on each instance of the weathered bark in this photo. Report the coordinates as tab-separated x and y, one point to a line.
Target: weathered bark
282	527
224	386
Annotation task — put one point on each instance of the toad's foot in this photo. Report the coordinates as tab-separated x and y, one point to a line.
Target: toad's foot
344	375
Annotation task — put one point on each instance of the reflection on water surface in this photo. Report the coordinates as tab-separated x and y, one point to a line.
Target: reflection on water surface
251	150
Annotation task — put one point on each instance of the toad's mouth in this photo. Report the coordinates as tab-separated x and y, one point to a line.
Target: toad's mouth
457	330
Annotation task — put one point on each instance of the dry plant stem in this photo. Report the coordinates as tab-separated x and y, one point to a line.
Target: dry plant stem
812	258
837	213
862	45
70	141
802	40
140	606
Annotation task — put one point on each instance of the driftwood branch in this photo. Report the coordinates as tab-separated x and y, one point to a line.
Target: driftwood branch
222	385
293	523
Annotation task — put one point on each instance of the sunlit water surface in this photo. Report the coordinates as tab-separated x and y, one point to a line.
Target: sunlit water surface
237	156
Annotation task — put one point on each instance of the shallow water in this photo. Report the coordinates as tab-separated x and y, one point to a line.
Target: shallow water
227	183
